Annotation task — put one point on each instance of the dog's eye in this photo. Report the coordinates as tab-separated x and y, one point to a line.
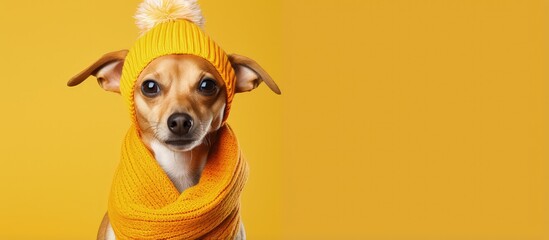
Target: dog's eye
207	87
150	88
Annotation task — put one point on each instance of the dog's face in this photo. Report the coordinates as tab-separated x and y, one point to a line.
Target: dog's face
179	100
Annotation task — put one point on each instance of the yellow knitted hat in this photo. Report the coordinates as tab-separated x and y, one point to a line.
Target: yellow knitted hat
170	27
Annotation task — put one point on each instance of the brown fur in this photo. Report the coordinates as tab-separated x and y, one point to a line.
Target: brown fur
178	76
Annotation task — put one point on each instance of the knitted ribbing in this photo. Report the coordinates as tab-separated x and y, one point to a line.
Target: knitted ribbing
174	37
144	203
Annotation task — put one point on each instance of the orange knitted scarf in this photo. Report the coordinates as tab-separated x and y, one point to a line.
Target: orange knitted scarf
144	204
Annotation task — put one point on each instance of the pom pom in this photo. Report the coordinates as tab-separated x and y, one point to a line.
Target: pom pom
153	12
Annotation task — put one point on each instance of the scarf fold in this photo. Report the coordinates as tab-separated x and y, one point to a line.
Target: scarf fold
144	203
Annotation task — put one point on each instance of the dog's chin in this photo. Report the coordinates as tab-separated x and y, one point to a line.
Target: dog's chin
182	145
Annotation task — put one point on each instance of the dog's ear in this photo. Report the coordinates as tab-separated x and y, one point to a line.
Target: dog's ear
107	70
249	74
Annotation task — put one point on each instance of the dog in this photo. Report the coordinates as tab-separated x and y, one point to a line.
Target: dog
179	106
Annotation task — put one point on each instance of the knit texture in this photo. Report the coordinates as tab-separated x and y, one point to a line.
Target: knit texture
174	37
144	203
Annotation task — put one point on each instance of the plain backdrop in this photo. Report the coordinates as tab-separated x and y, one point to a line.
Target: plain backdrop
398	120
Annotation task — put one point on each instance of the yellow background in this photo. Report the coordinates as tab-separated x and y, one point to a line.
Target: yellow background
398	120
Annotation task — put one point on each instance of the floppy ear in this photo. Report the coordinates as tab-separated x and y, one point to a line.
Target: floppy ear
107	70
249	74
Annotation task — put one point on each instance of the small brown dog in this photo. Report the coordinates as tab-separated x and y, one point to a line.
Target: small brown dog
179	108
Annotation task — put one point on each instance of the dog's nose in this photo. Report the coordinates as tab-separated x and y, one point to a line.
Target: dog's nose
180	123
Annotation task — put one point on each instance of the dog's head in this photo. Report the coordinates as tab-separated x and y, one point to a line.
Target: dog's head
179	98
178	81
